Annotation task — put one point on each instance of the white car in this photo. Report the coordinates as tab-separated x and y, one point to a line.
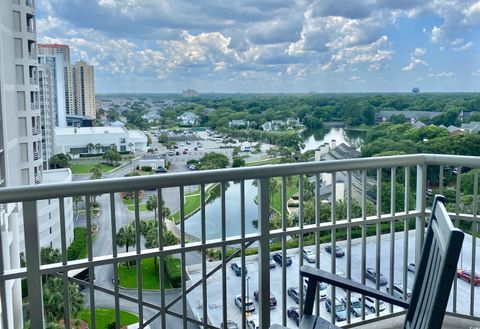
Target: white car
370	303
249	306
309	255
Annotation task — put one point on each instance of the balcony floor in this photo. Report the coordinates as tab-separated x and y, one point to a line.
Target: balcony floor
450	322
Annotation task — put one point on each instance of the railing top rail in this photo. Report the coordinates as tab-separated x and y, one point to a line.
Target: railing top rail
46	191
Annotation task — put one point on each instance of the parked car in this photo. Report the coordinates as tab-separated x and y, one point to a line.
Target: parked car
370	303
322	288
230	325
273	300
309	255
371	274
398	291
238	270
252	325
160	170
195	148
171	153
249	306
192	167
272	263
355	306
295	294
411	267
466	275
294	314
339	252
185	152
278	258
340	311
177	153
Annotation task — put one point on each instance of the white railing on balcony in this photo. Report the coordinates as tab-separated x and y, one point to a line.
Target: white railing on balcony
30	29
371	237
33	81
29	3
32	55
35	131
36	155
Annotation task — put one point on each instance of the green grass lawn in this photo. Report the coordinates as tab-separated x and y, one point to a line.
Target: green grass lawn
150	278
192	203
84	168
131	205
105	316
292	188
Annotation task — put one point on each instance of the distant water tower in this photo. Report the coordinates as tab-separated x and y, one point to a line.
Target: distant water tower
415	90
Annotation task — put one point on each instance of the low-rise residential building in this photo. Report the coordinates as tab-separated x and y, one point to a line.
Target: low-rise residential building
188	119
238	124
412	116
473	126
280	124
76	141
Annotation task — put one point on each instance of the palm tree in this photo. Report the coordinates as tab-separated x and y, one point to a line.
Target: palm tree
98	147
126	236
53	299
152	204
76	200
90	147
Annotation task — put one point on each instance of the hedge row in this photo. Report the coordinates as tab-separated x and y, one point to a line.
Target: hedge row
79	243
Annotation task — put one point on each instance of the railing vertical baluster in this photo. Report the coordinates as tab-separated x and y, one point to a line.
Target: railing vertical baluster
32	257
349	240
474	240
393	203
224	254
364	236
91	269
420	207
457	212
242	234
113	224
63	242
161	258
138	259
204	257
334	240
264	252
317	235
406	225
284	251
3	293
440	180
182	256
300	239
378	236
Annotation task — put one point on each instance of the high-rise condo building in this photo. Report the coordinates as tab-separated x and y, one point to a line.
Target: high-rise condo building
21	161
84	86
56	49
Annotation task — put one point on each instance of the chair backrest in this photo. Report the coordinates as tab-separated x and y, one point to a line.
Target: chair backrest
436	271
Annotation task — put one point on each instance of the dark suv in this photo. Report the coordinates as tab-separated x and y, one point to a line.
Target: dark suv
339	252
278	258
238	270
295	294
294	314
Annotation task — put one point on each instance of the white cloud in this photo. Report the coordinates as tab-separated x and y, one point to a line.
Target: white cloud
476	73
419	52
464	47
414	62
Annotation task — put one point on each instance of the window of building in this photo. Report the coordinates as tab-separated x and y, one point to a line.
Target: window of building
19	74
17	22
24	152
17	43
21	100
25	177
22	125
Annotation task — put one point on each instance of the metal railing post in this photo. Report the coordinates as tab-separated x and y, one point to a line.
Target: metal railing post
264	252
32	256
420	206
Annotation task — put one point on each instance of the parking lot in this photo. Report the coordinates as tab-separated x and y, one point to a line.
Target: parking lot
214	287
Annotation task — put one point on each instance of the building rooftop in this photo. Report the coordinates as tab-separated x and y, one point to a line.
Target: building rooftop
89	130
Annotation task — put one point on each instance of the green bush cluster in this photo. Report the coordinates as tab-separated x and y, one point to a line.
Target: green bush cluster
79	243
173	269
146	168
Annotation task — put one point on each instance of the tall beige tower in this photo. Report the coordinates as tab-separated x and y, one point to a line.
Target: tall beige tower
84	90
80	89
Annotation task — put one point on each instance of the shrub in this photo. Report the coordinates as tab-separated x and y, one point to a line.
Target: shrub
146	168
79	243
173	269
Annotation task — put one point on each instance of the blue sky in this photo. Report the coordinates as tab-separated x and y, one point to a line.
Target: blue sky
270	45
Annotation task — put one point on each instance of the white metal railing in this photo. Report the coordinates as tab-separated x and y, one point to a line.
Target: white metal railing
33	81
370	237
29	3
32	55
30	29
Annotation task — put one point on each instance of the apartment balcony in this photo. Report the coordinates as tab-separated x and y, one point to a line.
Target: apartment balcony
38	179
36	155
32	55
33	81
30	29
378	217
35	131
29	3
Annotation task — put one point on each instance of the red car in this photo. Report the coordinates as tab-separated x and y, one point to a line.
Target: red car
466	275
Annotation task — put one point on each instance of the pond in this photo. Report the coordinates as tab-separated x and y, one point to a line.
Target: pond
213	213
314	139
